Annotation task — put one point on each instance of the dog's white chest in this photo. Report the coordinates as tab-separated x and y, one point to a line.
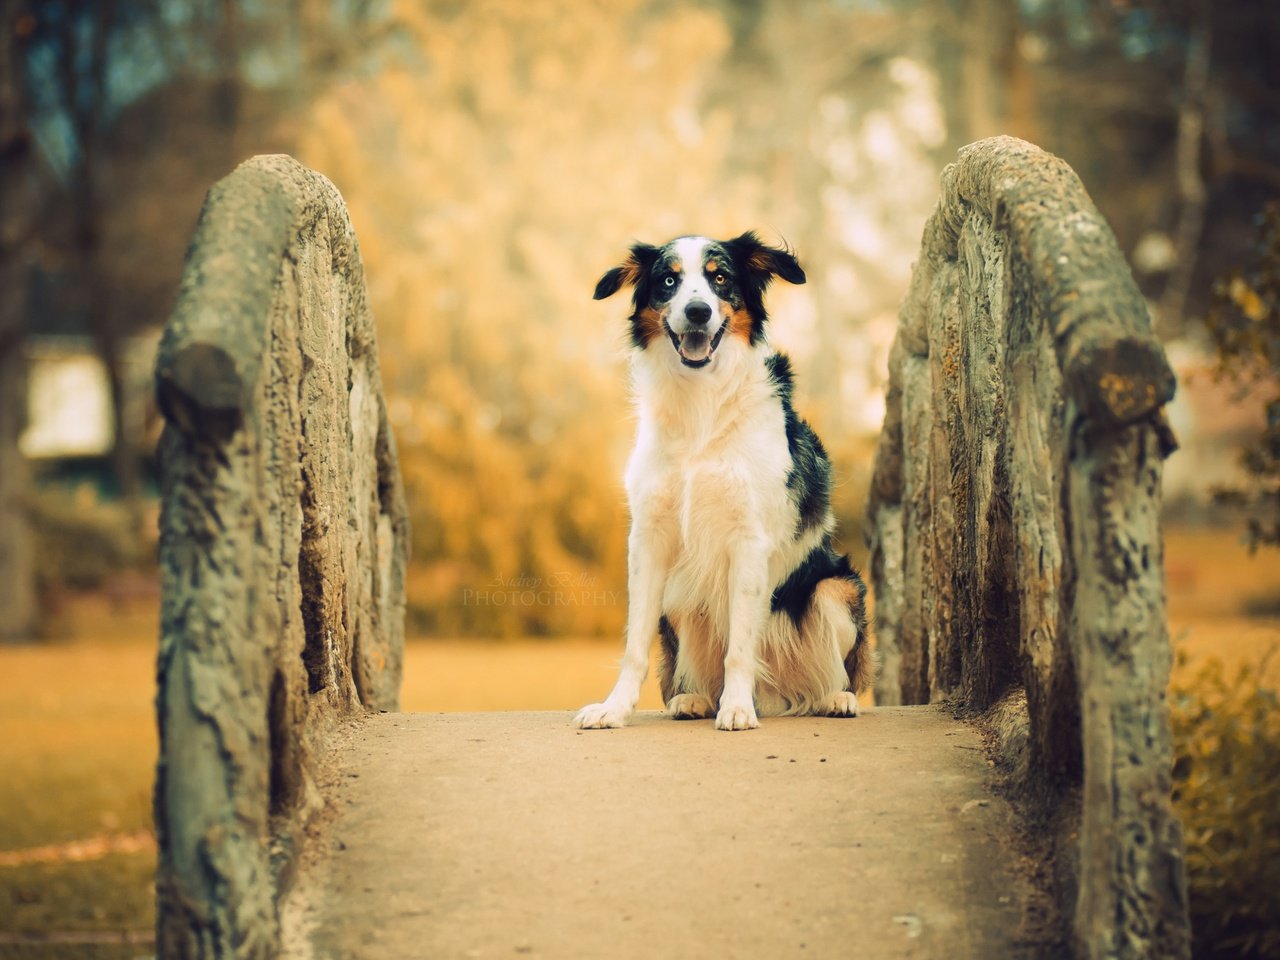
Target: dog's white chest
701	503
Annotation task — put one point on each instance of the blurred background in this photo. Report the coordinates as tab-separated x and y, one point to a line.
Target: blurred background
497	157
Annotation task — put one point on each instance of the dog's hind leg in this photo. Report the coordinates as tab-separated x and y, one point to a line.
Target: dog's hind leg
670	651
690	706
681	705
839	607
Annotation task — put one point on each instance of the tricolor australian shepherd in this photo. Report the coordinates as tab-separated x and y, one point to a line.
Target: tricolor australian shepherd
730	557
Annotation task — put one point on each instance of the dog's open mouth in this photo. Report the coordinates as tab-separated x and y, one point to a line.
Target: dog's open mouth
694	346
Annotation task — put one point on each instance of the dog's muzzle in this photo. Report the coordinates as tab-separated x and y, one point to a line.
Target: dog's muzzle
694	345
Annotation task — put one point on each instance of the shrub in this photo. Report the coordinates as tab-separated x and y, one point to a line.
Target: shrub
1226	773
80	539
1244	323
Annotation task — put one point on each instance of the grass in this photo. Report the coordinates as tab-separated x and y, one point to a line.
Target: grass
78	742
1223	602
107	895
464	675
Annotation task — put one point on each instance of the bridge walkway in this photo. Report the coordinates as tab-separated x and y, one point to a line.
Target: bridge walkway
514	834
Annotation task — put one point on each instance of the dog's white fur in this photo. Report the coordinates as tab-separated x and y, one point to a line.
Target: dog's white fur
713	531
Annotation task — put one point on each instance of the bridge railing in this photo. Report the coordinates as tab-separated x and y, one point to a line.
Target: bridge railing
283	546
1015	525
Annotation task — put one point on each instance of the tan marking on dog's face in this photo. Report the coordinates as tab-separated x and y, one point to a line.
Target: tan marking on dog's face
739	321
649	322
712	266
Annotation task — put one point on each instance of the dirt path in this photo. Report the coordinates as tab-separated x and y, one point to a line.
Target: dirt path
513	834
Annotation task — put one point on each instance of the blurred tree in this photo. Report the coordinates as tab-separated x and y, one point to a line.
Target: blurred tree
19	203
137	106
70	50
227	83
498	156
1245	326
1168	111
816	108
504	156
989	90
1192	193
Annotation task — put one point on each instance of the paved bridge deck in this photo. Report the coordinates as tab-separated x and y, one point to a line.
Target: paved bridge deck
513	834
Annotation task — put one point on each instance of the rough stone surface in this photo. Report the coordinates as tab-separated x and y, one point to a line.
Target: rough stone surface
514	834
1014	512
283	544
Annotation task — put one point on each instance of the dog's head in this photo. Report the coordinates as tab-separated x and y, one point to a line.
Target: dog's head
693	291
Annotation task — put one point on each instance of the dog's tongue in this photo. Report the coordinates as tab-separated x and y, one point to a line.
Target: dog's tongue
695	345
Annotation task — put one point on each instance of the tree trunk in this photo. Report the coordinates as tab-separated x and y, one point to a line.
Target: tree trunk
1191	187
227	95
84	94
17	559
124	446
107	340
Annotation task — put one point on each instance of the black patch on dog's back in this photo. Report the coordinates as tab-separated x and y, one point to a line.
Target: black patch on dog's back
794	594
809	480
779	367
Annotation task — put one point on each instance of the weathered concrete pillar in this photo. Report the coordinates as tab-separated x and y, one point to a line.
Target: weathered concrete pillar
283	544
1015	519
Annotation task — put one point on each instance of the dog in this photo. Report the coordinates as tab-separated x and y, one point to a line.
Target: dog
730	559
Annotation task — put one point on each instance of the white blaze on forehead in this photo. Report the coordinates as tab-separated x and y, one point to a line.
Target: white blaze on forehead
693	283
689	250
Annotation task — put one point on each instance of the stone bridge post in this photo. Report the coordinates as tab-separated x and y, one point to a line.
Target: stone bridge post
1015	514
283	546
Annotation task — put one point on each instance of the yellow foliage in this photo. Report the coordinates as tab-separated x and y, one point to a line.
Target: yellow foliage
1247	299
1227	763
497	165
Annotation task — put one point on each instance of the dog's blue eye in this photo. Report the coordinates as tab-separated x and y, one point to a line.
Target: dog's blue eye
670	281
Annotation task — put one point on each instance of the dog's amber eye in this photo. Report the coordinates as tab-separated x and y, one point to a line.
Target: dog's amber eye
720	279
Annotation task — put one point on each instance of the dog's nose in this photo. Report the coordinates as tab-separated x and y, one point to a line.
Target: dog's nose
697	313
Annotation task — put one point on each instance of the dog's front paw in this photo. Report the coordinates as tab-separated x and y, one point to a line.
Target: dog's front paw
690	706
733	717
601	716
842	704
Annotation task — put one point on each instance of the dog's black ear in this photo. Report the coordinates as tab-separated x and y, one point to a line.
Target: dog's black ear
764	262
632	270
610	282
